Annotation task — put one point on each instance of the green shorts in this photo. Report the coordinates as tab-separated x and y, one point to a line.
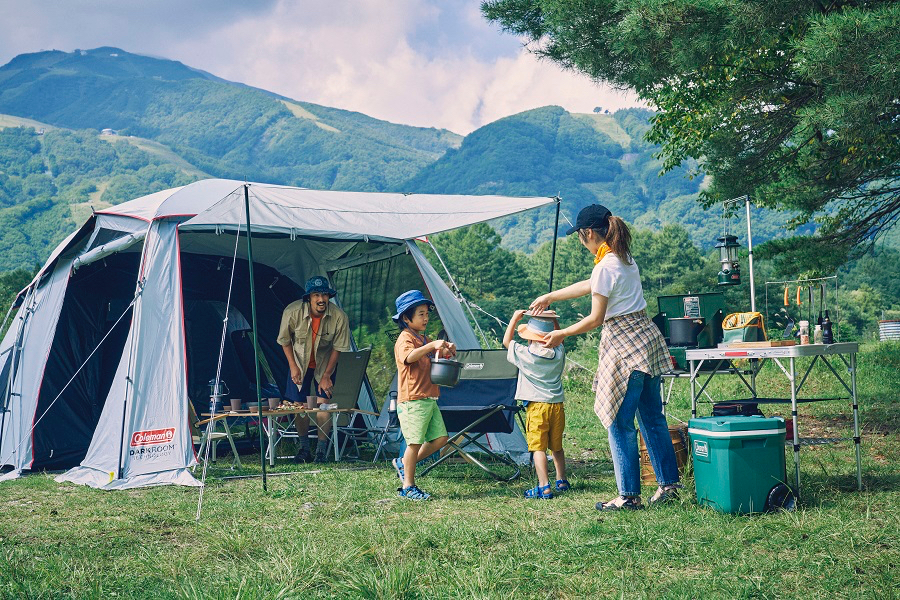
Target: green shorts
420	420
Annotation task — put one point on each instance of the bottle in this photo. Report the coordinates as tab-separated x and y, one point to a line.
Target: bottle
804	332
817	335
330	406
827	334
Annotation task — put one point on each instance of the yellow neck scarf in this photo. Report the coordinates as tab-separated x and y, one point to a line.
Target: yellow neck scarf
601	252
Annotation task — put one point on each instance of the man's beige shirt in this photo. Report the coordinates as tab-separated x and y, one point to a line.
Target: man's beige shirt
296	331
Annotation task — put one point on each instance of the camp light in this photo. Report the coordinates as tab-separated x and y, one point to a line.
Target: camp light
730	273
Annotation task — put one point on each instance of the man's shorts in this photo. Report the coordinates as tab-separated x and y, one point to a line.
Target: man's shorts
420	420
310	387
544	424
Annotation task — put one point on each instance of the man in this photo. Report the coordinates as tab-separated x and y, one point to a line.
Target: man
312	332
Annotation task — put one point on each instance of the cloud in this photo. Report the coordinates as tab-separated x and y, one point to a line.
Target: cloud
428	63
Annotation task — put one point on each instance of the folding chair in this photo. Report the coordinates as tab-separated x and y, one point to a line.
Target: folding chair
199	436
386	423
482	402
351	369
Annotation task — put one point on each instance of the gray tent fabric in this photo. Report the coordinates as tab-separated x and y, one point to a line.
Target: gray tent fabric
37	317
157	437
145	388
452	316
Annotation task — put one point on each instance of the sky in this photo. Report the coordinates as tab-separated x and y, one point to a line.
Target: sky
429	63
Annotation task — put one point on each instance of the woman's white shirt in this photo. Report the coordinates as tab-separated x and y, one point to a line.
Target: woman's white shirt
619	282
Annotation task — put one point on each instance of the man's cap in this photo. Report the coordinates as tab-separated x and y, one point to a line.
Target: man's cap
318	284
537	327
409	299
594	216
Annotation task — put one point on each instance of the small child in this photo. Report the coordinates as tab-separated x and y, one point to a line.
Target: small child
417	409
540	389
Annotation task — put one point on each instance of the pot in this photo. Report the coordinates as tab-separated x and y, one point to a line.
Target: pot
684	331
445	372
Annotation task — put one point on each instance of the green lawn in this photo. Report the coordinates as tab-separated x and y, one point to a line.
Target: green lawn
341	531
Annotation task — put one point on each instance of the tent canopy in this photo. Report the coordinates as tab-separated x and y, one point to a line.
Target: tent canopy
217	204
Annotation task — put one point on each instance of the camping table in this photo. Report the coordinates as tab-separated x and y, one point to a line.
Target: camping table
271	426
845	352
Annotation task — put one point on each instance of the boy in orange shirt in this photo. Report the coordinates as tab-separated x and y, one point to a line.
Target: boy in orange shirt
417	409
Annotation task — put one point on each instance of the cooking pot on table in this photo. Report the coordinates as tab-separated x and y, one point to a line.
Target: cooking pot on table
445	372
684	331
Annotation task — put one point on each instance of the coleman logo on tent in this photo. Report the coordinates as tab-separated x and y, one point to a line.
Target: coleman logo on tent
473	366
153	436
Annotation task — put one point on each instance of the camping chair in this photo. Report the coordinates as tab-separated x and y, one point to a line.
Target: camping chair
482	402
199	436
386	423
351	369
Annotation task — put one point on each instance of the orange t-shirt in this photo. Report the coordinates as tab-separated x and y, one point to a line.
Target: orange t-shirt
413	380
315	331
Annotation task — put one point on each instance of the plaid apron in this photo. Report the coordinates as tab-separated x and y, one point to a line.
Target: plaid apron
629	343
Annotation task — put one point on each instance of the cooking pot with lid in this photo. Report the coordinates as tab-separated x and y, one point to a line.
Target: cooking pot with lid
684	331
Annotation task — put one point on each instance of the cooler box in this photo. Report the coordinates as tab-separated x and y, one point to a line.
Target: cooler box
738	462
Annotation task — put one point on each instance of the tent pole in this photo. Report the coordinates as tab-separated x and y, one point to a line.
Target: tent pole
553	253
262	452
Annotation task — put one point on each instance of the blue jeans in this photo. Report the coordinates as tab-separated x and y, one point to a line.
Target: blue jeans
642	398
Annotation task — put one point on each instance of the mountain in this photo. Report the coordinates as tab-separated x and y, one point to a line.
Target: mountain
171	124
585	158
223	128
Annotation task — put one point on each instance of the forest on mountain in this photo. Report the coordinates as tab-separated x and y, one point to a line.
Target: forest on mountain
173	125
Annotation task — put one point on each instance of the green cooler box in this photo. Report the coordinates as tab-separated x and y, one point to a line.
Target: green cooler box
739	463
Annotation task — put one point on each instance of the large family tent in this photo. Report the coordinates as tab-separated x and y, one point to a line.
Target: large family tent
122	327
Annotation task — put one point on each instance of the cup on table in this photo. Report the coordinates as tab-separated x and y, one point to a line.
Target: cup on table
235	404
273	403
312	402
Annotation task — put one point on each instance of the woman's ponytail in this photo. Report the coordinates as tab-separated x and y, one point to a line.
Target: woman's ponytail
618	238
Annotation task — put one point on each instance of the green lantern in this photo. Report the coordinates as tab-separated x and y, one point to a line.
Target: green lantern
730	273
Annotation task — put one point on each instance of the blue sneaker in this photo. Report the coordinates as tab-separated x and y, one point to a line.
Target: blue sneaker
413	493
398	466
539	492
562	485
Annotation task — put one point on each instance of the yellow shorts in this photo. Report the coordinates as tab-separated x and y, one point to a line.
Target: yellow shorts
544	422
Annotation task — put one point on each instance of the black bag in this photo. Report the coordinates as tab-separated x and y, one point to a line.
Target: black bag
739	409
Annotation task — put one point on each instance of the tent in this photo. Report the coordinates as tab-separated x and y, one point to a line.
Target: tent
121	327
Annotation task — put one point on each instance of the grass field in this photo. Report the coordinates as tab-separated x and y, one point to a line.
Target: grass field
341	531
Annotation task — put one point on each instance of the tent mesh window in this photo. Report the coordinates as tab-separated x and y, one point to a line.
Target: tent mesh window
367	293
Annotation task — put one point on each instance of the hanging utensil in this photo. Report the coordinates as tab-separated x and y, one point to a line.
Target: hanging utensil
809	304
821	302
789	327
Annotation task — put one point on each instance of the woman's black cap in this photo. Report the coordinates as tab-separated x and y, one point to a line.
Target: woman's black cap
594	216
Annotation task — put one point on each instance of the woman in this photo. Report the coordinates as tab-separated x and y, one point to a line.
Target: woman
632	352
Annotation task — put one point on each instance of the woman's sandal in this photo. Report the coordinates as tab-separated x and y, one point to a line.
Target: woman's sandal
665	494
539	492
621	503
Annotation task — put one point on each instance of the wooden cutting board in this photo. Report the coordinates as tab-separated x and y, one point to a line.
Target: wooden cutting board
769	344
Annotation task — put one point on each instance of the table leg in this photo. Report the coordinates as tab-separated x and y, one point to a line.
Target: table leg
856	436
796	440
693	379
271	422
334	436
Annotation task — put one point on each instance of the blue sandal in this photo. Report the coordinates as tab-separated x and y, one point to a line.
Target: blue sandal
562	485
413	493
539	492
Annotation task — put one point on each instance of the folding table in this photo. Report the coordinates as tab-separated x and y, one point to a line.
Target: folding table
830	355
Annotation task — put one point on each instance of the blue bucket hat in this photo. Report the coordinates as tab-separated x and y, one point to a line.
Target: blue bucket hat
407	300
319	284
